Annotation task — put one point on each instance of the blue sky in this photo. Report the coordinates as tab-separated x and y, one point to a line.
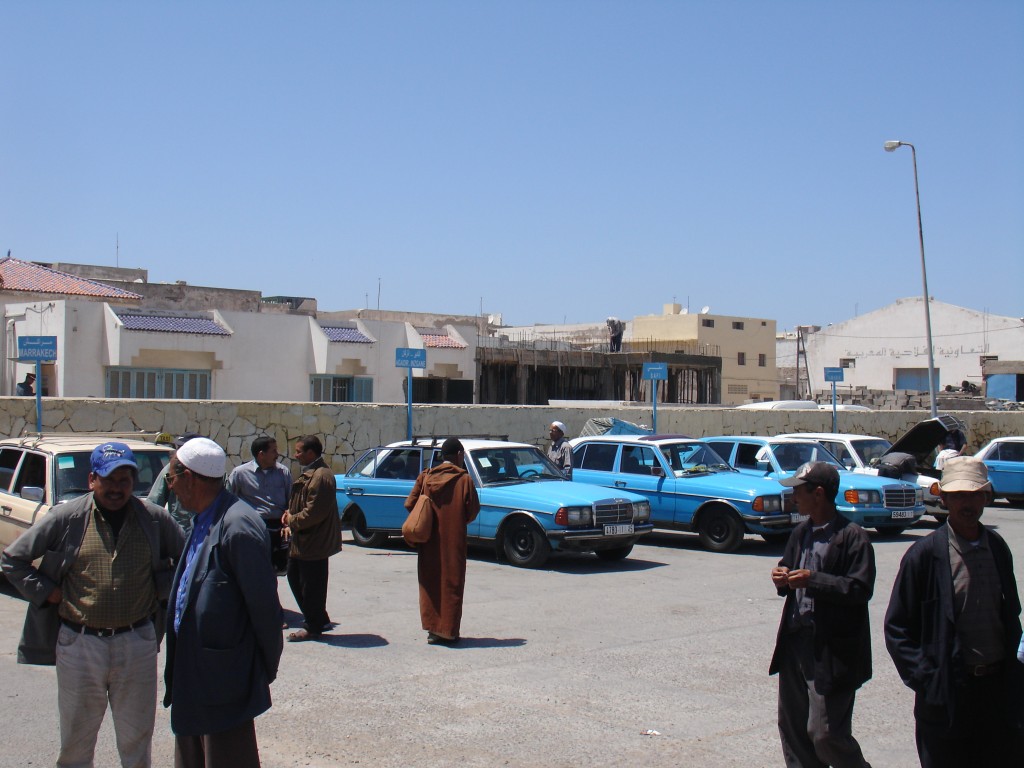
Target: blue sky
549	161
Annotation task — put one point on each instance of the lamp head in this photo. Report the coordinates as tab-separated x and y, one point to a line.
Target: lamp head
892	146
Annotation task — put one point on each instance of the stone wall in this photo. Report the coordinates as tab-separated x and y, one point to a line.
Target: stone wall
348	429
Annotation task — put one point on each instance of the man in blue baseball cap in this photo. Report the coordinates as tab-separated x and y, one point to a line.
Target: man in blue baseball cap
101	637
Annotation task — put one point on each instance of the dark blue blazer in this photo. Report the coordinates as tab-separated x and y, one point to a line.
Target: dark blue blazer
225	654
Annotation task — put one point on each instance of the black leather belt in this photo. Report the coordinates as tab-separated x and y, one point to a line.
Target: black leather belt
984	670
104	631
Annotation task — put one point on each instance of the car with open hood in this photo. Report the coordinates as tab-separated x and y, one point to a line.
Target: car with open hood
910	458
527	507
40	471
1004	457
888	505
690	487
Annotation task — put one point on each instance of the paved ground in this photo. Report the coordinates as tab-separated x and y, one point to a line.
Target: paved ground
565	666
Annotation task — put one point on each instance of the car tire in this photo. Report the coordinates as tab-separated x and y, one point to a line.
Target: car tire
360	535
720	530
615	553
525	545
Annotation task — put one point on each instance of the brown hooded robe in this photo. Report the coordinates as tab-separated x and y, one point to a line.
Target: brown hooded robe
441	564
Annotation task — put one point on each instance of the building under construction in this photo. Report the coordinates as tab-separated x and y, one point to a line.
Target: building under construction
533	372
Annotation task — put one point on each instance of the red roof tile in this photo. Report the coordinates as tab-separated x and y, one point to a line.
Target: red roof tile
17	275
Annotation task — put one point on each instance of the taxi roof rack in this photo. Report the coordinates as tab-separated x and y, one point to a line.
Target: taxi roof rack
436	440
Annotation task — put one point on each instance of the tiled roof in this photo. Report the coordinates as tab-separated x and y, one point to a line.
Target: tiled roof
340	333
171	324
440	341
17	275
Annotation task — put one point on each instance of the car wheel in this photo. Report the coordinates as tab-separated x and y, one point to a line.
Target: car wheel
890	531
615	553
720	530
360	535
525	545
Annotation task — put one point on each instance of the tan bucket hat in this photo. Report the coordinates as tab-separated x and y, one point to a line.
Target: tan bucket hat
964	473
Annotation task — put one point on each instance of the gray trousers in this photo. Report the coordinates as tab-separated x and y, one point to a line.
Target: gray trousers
92	671
815	729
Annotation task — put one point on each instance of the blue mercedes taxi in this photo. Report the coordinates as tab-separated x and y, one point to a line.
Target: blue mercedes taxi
690	487
887	505
527	508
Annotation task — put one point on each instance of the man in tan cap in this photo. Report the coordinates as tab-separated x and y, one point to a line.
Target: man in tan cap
953	627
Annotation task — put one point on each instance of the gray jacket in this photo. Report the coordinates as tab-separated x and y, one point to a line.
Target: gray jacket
55	540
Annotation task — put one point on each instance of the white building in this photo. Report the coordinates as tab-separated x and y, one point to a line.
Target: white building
887	349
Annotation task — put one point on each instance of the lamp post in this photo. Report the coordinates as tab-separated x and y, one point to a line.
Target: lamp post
892	146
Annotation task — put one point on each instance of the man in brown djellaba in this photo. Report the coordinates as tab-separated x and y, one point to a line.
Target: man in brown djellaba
441	564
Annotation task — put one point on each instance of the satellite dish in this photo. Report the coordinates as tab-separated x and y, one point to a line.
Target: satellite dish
705	309
686	310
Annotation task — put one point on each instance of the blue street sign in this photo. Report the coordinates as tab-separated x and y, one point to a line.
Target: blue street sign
833	374
408	357
34	348
655	371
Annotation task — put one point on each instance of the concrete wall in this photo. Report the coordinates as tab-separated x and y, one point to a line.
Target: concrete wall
348	429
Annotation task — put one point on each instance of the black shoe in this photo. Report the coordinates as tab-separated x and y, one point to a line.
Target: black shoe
433	639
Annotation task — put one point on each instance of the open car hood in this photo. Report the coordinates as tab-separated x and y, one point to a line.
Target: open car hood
923	438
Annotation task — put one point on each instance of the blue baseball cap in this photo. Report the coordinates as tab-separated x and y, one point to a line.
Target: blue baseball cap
109	456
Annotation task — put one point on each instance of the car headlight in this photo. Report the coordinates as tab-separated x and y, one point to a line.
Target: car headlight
641	511
858	496
767	505
570	516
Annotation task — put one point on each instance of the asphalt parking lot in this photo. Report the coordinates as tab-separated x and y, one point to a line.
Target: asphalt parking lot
565	666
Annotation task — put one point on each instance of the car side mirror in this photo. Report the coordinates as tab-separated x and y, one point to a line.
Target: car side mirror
32	493
657	471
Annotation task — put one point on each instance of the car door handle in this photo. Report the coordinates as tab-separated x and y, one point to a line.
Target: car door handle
621	483
7	510
356	491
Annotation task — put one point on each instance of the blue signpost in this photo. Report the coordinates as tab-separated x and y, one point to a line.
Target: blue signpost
834	375
409	358
35	349
655	372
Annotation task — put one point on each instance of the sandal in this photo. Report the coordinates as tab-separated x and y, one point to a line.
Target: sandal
301	636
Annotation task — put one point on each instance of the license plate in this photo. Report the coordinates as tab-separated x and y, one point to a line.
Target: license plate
796	517
618	530
901	514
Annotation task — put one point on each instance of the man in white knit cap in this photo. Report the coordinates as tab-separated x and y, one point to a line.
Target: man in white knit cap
224	620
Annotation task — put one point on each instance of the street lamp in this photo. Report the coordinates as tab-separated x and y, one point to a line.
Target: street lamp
892	146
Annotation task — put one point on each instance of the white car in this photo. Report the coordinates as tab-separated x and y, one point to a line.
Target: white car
41	471
864	454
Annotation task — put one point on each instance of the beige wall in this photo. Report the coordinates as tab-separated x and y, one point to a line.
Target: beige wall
349	429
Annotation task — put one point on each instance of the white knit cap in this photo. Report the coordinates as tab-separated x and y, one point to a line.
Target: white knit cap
203	456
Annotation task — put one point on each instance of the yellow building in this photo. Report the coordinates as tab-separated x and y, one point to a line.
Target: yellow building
745	344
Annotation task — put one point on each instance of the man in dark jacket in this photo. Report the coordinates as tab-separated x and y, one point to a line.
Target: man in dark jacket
224	621
953	627
823	649
104	568
314	527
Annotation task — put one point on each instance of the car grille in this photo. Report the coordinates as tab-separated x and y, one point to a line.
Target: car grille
900	498
613	511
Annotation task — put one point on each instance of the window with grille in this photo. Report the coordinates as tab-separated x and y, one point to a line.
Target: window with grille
341	389
157	383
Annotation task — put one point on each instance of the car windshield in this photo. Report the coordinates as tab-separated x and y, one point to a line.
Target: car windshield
71	476
499	466
693	459
789	456
870	450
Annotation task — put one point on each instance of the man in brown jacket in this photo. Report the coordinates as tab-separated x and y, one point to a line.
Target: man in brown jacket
441	565
313	525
